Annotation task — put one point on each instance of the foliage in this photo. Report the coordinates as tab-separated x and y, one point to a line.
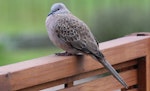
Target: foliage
116	23
107	19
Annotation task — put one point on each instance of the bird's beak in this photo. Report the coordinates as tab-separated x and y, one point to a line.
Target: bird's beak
50	13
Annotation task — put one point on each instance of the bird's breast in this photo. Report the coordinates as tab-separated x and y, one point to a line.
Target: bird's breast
50	25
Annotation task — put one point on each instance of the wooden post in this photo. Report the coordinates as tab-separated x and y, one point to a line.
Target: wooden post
4	82
144	66
142	75
70	84
148	68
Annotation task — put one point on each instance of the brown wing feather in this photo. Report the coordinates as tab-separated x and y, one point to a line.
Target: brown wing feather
76	33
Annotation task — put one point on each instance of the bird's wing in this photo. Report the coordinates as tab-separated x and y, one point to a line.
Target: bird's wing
76	34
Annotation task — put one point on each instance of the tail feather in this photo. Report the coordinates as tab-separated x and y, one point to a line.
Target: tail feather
112	71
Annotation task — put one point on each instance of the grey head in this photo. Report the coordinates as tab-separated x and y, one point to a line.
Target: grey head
58	8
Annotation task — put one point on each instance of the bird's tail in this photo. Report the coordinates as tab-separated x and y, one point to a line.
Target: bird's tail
112	71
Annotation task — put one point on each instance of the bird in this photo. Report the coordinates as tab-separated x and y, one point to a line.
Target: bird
71	34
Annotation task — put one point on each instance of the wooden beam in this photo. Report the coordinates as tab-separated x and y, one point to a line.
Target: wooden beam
126	48
79	76
133	89
107	83
51	68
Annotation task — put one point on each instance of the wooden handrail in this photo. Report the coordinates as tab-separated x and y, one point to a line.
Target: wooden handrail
130	55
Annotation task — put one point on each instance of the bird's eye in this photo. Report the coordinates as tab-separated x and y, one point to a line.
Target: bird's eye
58	9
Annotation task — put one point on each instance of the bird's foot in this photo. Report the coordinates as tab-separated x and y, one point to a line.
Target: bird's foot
63	54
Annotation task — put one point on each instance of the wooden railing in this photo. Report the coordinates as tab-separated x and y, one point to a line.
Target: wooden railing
129	55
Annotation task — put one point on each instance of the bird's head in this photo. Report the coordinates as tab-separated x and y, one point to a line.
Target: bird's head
58	8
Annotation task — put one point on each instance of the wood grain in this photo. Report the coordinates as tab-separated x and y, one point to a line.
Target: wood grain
79	76
133	90
52	68
106	83
142	75
4	82
148	68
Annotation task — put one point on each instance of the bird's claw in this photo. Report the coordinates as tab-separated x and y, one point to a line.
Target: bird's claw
63	54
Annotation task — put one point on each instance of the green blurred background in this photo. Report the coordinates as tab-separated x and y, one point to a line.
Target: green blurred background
23	35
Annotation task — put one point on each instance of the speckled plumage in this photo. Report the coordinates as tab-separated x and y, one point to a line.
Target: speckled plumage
74	36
